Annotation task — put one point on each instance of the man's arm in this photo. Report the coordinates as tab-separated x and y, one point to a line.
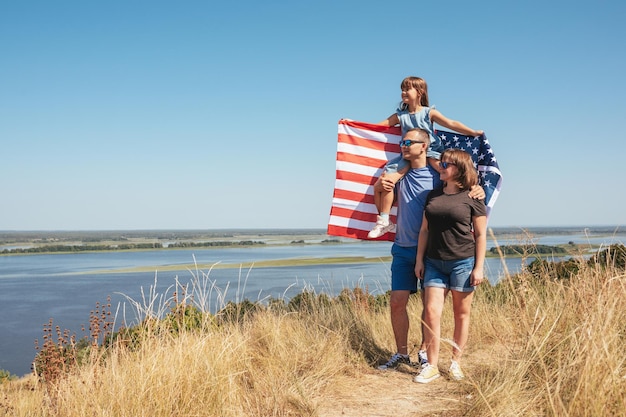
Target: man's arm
477	193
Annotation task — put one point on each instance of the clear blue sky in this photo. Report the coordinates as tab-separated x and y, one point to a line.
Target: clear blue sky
204	115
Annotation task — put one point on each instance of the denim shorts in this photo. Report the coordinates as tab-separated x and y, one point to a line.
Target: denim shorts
403	269
452	275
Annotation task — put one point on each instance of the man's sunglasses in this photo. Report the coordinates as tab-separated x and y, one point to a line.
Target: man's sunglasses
407	142
445	165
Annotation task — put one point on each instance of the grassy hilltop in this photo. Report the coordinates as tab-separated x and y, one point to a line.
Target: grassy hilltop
548	341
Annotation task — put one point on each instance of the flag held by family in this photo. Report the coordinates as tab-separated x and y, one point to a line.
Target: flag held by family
362	151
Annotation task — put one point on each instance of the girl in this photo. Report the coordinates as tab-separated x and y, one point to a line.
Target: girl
413	112
450	256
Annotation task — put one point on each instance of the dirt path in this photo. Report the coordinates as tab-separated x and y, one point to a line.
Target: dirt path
394	394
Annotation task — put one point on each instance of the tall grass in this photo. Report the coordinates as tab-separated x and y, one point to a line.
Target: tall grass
557	345
248	359
539	345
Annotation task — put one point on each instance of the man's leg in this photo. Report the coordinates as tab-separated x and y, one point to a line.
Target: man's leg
400	319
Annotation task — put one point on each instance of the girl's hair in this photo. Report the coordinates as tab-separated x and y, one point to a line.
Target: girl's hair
420	85
466	176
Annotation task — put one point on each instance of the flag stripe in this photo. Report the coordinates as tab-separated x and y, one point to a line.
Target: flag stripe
355	197
347	140
359	159
343	166
356	177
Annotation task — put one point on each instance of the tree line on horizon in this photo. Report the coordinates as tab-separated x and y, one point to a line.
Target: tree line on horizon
125	246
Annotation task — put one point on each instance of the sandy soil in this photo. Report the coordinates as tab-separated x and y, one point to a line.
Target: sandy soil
394	394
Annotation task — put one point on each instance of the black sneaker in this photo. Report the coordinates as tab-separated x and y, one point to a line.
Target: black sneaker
423	357
395	360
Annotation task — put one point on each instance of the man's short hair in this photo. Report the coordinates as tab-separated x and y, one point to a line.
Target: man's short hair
421	134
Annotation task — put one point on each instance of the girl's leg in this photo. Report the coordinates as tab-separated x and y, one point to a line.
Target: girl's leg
434	298
378	190
383	200
462	304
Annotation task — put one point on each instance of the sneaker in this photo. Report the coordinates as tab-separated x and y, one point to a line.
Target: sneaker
455	371
427	374
423	357
395	360
381	228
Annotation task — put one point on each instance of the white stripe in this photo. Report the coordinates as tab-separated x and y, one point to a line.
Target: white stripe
358	169
363	151
354	187
359	206
489	168
494	197
354	205
352	223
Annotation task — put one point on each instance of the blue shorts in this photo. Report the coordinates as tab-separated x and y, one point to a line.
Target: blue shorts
452	275
403	269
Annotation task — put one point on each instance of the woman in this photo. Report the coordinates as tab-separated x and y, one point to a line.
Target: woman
450	257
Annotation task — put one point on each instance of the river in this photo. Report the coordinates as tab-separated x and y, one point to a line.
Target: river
66	287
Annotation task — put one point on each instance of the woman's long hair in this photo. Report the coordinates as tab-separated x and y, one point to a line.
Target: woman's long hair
466	176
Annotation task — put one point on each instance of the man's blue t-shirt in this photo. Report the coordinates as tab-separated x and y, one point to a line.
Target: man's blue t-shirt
412	191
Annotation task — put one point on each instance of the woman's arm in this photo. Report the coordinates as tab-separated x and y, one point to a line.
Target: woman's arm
421	248
480	236
437	117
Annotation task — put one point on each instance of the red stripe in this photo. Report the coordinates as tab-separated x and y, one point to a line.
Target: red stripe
360	160
353	196
352	214
354	177
356	233
369	143
393	130
356	215
346	232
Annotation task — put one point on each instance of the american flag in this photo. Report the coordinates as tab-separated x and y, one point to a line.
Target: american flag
362	151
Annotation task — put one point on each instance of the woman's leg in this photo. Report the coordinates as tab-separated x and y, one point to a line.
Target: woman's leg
462	304
434	298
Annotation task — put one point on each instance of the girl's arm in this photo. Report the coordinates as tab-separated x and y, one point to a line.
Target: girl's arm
391	121
440	119
421	248
480	235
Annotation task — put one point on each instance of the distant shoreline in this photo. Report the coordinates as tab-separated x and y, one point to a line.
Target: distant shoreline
72	242
171	233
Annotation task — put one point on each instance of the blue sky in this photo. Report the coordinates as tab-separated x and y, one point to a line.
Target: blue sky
195	115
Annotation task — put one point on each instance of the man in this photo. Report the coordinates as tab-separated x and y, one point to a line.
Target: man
411	193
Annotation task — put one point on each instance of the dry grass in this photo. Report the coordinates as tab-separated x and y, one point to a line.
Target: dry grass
559	345
538	346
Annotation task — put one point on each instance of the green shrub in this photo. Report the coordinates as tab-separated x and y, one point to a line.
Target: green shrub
6	376
615	255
